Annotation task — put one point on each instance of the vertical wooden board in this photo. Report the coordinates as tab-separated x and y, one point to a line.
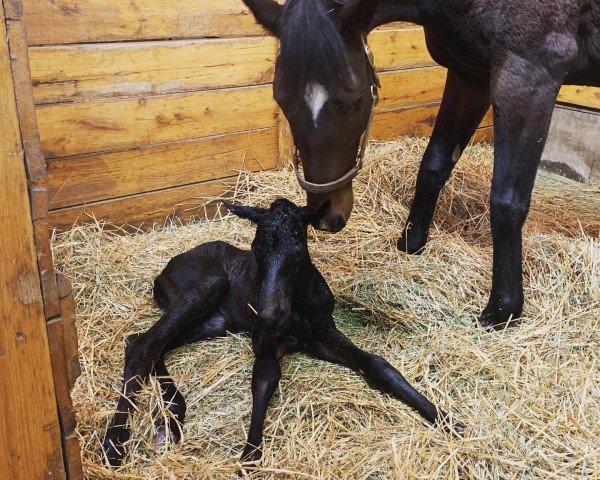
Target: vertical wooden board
61	380
91	178
73	129
34	159
71	347
91	71
53	22
396	49
30	446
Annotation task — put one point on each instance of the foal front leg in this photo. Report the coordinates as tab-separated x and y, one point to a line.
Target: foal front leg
335	347
524	96
463	106
265	379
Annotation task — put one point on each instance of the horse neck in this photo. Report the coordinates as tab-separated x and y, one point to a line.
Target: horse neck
414	11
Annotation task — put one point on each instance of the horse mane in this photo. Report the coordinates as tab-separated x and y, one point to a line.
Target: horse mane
311	46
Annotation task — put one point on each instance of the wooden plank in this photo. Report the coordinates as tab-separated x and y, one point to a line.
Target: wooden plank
53	22
92	71
71	347
399	49
17	39
582	96
61	380
79	180
411	87
30	446
73	453
415	120
146	209
73	129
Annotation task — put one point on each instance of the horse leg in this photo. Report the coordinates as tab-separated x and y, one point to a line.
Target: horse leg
143	351
335	347
464	104
211	327
265	378
523	95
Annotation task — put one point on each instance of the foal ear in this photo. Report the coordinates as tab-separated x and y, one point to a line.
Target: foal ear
357	14
267	13
314	214
254	214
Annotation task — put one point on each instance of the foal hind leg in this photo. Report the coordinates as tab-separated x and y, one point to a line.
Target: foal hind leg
524	96
142	354
463	106
169	425
335	347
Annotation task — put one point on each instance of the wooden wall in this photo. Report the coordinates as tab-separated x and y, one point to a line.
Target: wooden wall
146	108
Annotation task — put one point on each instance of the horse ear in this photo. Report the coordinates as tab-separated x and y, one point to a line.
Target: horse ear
254	214
267	13
314	214
357	14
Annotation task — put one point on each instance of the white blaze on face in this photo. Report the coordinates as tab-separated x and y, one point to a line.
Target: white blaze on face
315	97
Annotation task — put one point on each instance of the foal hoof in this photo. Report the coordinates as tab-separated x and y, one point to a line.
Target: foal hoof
164	437
113	450
498	318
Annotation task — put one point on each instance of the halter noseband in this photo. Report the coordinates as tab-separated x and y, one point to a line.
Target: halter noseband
349	176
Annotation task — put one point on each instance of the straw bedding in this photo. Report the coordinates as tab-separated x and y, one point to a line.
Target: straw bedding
530	395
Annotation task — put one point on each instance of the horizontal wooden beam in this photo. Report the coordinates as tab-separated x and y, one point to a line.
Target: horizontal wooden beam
74	129
91	178
414	120
86	72
53	22
582	96
147	209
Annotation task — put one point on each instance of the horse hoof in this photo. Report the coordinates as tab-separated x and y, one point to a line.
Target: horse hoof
413	244
498	318
251	455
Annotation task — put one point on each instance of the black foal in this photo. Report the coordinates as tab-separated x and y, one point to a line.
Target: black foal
272	291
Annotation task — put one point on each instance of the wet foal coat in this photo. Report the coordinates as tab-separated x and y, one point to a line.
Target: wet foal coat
511	54
275	293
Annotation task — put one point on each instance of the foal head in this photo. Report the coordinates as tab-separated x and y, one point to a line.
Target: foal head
323	84
280	247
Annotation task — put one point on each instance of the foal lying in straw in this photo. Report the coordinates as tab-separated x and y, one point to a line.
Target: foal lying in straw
273	292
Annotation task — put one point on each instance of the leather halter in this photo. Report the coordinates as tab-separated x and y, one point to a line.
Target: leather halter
350	175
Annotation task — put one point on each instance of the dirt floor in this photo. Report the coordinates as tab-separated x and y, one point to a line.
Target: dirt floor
530	395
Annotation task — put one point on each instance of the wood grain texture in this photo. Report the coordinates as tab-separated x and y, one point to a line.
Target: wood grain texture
17	39
92	71
71	348
414	120
411	87
30	446
85	179
581	96
73	129
53	22
399	49
144	210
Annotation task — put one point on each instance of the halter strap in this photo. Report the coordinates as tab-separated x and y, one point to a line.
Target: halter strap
350	175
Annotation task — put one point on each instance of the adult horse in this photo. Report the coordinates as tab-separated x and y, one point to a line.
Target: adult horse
512	54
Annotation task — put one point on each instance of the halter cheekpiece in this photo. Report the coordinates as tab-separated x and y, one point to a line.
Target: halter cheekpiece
350	175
